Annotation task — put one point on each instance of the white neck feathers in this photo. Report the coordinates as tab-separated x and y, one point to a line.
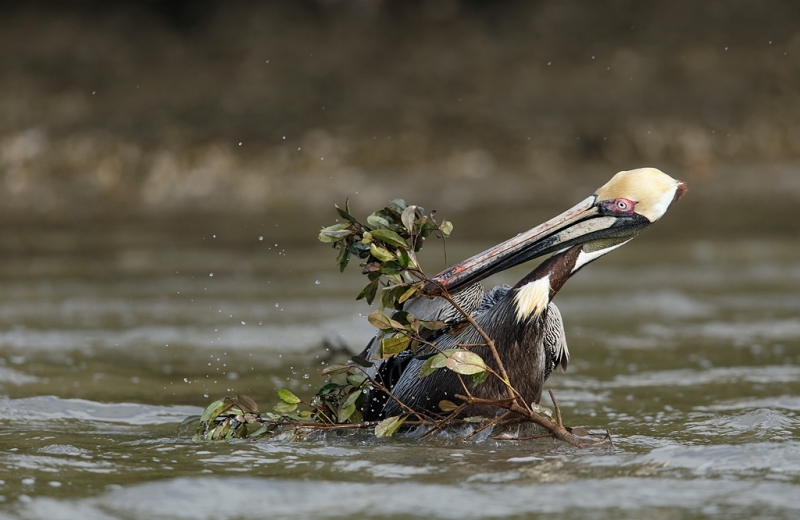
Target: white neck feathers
532	298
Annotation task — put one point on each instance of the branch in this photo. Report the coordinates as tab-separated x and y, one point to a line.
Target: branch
556	430
556	408
383	388
489	341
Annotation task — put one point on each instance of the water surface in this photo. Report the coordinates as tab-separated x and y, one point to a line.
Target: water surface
686	349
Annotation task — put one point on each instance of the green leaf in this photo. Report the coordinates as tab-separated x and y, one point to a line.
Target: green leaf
390	237
388	426
377	223
380	253
411	291
344	258
336	368
288	397
433	325
440	360
465	362
427	367
414	324
356	379
189	425
446	227
369	291
426	230
348	407
328	388
437	361
403	258
345	214
381	321
388	296
403	317
214	410
480	377
391	267
247	403
398	205
283	407
261	432
412	259
408	217
352	398
345	412
359	249
475	419
394	345
358	360
447	406
396	279
218	433
334	233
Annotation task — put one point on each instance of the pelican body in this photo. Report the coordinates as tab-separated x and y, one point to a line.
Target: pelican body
524	324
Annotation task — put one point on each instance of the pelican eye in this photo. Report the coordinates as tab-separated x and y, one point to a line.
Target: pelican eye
620	206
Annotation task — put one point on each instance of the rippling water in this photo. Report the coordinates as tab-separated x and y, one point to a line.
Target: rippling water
688	351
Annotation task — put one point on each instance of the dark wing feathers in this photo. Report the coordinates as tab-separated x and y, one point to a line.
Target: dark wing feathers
530	351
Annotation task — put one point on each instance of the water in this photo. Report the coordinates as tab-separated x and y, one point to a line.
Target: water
686	349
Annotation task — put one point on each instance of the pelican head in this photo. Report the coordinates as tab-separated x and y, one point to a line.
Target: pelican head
618	211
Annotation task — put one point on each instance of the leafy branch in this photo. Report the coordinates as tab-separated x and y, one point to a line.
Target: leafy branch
387	244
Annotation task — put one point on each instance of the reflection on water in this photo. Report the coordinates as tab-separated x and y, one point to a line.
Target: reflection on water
688	351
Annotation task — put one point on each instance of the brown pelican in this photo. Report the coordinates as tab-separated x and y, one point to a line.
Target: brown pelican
522	320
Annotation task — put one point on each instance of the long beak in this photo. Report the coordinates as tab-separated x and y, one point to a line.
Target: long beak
580	224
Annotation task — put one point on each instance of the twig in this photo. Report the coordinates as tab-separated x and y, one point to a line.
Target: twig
608	436
556	408
527	438
444	422
489	341
487	425
556	430
383	388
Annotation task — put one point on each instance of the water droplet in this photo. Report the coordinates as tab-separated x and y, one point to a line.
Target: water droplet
317	282
305	376
210	274
261	238
243	323
205	395
185	379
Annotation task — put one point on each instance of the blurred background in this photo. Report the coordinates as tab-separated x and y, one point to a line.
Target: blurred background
198	107
165	167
